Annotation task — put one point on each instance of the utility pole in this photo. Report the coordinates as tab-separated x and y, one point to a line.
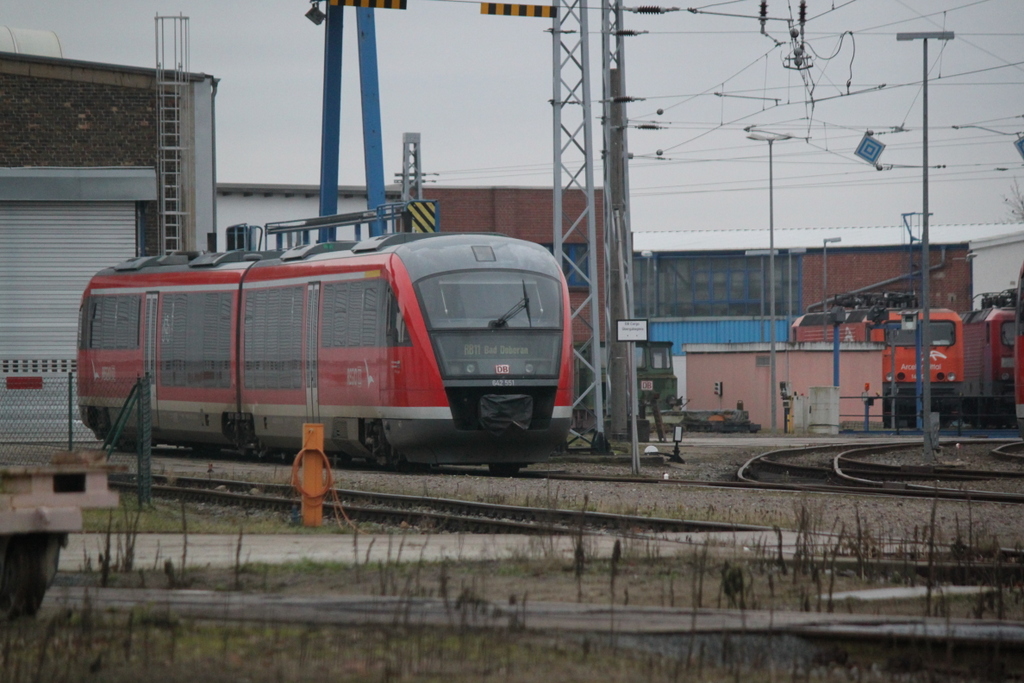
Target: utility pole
924	361
620	397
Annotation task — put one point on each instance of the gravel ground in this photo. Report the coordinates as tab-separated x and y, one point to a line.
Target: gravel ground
879	518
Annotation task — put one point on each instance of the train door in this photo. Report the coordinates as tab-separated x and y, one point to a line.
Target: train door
311	381
150	329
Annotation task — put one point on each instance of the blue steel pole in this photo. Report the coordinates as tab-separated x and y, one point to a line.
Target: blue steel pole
369	87
330	135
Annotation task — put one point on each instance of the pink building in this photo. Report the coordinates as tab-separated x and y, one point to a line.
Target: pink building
744	372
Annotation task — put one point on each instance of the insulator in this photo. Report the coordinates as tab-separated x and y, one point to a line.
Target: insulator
764	13
627	98
649	9
803	13
648	126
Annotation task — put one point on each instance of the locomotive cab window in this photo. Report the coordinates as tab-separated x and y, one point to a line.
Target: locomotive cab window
660	359
943	334
1006	333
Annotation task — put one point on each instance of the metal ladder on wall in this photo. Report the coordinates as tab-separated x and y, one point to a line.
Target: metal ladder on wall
173	100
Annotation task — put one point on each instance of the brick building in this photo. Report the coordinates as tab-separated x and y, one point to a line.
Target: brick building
79	190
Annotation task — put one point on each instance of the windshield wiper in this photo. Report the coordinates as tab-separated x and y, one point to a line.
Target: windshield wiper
522	305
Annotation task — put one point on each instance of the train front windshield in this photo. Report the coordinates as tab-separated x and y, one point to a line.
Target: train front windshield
943	334
494	323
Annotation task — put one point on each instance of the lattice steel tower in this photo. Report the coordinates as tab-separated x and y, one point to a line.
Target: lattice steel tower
574	173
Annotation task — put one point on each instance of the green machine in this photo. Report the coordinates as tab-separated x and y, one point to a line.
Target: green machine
655	376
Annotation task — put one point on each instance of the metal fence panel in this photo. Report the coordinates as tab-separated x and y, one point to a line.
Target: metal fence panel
39	416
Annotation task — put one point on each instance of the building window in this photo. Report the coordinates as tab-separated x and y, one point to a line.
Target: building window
704	285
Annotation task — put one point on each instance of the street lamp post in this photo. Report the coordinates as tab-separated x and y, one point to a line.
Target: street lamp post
924	361
824	283
770	138
649	297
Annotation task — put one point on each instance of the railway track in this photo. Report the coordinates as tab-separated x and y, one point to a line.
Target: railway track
841	471
1010	452
845	471
439	514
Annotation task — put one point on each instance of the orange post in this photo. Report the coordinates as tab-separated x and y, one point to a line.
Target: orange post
312	460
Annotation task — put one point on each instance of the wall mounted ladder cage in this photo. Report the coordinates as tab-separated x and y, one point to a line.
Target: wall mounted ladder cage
174	134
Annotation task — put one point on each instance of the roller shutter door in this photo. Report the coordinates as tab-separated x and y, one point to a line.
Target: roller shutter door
48	252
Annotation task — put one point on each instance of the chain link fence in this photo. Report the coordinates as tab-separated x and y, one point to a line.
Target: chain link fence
40	416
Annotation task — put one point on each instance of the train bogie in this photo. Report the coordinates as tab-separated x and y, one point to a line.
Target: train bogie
401	346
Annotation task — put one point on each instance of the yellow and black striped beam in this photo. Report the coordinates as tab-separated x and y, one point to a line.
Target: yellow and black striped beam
372	4
541	11
422	216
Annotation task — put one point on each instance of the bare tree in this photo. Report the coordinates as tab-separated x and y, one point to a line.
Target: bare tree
1015	201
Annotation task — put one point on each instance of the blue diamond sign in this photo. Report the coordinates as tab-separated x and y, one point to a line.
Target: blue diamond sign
869	149
1020	145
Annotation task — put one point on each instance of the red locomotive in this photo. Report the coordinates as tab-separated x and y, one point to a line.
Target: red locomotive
989	339
417	348
1018	353
867	315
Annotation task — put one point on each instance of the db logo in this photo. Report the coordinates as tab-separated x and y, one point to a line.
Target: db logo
502	369
647	385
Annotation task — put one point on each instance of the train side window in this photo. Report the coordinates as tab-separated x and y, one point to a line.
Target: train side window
111	322
273	338
1006	333
641	358
352	314
195	339
397	332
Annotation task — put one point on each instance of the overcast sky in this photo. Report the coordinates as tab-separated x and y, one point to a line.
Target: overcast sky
478	89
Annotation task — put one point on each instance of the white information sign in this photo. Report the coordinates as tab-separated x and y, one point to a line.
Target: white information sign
631	330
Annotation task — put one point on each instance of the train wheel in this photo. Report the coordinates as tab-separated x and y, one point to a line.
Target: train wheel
505	469
25	576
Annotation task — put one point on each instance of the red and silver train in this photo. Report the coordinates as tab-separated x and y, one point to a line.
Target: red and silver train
866	318
989	339
409	348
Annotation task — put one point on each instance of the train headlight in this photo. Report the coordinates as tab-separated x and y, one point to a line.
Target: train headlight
888	377
952	376
470	368
529	368
900	376
941	376
1005	375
